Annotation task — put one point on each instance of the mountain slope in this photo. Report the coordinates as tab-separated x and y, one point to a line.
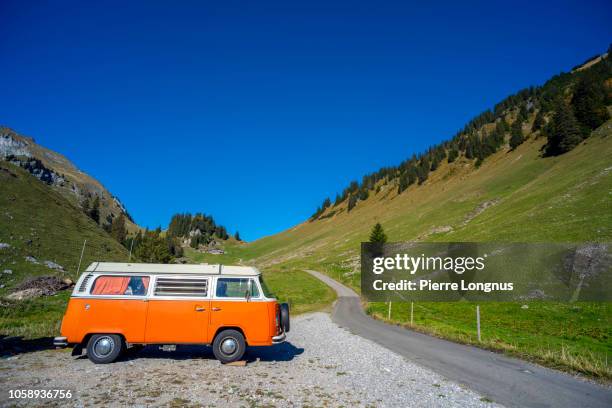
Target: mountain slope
60	173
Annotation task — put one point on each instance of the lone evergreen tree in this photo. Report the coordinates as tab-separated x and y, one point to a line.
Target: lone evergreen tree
378	234
564	132
237	236
118	230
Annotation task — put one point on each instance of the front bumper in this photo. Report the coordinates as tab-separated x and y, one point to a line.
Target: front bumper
60	342
279	339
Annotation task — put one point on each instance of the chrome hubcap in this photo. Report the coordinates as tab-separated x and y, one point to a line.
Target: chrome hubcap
103	346
229	346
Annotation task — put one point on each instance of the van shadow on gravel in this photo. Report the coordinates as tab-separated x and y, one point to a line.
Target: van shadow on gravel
278	352
13	345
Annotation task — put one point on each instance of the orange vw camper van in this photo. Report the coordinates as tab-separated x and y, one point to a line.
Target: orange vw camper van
119	305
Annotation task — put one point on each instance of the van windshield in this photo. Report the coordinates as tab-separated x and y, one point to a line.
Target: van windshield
266	290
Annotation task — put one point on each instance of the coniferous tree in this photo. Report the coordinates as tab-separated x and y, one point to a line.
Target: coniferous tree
378	234
522	114
538	122
85	206
469	152
516	138
194	242
117	229
403	183
363	194
452	155
352	201
503	125
316	214
237	236
338	199
153	249
589	103
423	170
173	247
564	133
94	212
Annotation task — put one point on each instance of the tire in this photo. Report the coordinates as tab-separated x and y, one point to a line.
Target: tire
284	317
229	346
105	348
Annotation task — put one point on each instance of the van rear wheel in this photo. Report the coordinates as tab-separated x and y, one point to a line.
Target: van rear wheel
104	348
229	346
284	317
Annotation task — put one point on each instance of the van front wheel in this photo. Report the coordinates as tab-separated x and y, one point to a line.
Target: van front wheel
104	348
229	346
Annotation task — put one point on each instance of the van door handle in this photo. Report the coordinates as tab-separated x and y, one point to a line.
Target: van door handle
199	309
216	309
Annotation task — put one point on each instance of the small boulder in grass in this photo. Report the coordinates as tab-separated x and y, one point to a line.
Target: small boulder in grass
31	259
525	307
4	245
8	271
26	294
53	265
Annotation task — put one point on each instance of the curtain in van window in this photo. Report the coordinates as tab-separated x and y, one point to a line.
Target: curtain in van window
111	285
145	283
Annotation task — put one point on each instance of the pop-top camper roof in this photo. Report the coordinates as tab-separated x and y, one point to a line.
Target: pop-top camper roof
118	267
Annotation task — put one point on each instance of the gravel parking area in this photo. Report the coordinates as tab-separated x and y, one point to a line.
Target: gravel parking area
321	365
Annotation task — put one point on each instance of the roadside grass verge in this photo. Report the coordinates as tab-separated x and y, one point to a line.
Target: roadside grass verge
303	292
570	337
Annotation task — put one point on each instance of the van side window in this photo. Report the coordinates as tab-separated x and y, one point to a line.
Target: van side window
187	287
120	285
235	287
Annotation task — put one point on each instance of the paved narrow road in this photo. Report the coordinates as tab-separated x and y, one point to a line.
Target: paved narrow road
505	380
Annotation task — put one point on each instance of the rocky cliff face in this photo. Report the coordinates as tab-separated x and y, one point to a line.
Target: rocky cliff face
58	172
9	146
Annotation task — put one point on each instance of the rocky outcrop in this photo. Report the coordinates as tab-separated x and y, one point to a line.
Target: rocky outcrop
10	146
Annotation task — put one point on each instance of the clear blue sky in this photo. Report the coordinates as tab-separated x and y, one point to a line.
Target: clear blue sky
255	111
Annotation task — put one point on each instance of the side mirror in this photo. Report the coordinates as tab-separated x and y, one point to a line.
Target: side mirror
247	295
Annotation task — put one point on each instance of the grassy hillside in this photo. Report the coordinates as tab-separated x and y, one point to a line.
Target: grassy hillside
71	182
39	222
514	196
